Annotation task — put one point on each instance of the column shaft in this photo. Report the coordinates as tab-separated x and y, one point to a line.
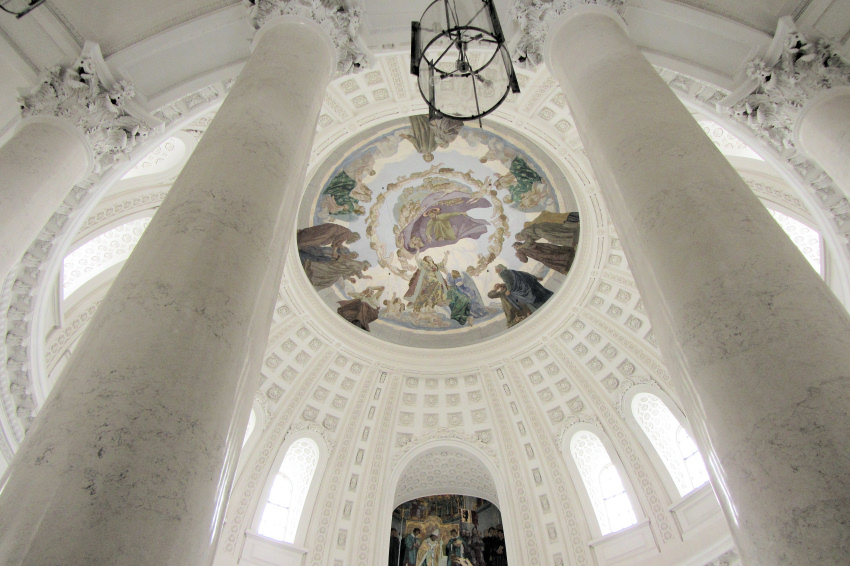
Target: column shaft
823	132
760	345
38	166
131	459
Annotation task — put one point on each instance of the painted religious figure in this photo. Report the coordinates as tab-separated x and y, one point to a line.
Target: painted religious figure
430	551
482	198
411	547
428	287
343	196
362	308
444	221
521	293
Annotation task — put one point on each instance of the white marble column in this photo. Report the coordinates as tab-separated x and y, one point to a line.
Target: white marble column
39	164
131	459
760	345
823	132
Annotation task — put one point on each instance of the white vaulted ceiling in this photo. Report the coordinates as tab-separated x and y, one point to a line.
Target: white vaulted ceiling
510	397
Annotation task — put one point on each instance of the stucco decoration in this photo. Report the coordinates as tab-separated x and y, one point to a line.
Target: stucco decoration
441	469
782	87
339	19
803	70
534	19
85	95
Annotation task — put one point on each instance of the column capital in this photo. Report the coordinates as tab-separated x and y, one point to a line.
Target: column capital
799	71
86	96
339	21
538	17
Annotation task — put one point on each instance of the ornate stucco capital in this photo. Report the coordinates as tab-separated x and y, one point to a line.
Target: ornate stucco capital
534	19
336	17
783	83
86	96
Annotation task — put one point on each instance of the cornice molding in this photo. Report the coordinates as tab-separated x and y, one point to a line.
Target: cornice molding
338	19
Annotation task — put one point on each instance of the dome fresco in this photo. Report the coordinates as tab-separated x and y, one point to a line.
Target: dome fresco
437	234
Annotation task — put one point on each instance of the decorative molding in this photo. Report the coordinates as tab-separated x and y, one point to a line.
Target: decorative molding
86	96
783	85
446	434
570	422
519	493
623	439
260	468
339	19
554	459
534	20
628	384
301	426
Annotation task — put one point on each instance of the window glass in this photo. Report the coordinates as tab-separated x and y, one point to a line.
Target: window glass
603	483
282	511
671	441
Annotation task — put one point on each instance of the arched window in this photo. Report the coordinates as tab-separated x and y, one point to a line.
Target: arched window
289	490
671	441
603	483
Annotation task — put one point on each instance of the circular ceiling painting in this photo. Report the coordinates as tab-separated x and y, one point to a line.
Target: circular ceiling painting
437	234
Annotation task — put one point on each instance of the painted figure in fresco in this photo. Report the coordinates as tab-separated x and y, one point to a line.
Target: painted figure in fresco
444	221
395	548
513	314
458	305
524	289
323	274
427	287
329	234
562	234
430	551
525	176
464	283
343	195
476	544
456	547
394	307
491	542
428	135
559	258
411	547
362	308
500	555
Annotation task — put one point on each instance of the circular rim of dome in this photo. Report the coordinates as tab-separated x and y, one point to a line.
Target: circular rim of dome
566	296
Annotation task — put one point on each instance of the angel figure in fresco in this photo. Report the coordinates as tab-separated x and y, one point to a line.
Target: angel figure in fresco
444	221
362	308
427	287
465	285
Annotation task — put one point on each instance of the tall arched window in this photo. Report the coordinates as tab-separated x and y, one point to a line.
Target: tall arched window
289	490
671	441
603	483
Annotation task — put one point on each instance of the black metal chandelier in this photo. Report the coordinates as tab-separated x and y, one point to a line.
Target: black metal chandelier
19	8
459	56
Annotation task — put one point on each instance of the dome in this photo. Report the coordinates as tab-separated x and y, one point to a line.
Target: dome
396	367
406	235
